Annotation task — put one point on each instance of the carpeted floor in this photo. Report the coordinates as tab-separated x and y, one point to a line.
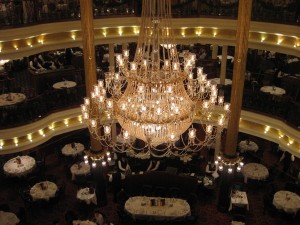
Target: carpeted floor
206	207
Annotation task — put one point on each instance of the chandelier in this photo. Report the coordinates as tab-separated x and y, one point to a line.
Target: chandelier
156	97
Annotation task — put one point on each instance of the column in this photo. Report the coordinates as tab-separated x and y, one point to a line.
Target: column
218	143
111	59
223	64
240	59
124	46
214	51
87	27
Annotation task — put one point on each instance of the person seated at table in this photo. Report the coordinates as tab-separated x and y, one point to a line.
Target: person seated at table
153	165
35	65
46	61
57	63
202	53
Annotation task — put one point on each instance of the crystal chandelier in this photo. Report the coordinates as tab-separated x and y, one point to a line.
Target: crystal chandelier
156	97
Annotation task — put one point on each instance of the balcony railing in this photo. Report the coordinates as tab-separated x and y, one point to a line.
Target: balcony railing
23	13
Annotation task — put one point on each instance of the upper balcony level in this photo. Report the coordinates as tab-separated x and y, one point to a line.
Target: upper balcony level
30	28
39	28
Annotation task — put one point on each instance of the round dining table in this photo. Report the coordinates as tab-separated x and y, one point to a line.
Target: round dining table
287	201
19	166
255	171
87	195
157	208
72	149
80	169
64	84
8	218
217	81
245	146
11	99
273	90
43	190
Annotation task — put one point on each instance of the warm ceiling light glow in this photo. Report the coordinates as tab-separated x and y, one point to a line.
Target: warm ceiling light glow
29	137
279	41
16	141
16	47
51	127
198	31
41	132
267	129
120	31
66	122
136	30
73	36
262	39
1	144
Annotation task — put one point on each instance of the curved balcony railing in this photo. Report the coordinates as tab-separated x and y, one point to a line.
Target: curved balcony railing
284	108
23	13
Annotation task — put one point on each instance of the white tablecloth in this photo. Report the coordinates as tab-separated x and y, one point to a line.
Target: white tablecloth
85	195
69	151
64	84
273	90
140	207
252	146
83	222
239	198
217	81
255	171
11	98
82	169
8	218
287	201
38	193
19	166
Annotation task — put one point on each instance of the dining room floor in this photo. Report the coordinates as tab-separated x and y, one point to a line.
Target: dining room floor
206	207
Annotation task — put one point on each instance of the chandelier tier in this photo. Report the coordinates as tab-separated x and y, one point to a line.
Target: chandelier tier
156	96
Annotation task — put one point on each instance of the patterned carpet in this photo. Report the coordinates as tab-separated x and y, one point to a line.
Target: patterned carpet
206	207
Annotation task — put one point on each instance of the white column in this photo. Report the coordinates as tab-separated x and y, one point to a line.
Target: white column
111	59
214	51
124	46
223	64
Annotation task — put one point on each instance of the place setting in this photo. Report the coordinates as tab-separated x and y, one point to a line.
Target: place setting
80	168
19	166
72	149
43	190
87	195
